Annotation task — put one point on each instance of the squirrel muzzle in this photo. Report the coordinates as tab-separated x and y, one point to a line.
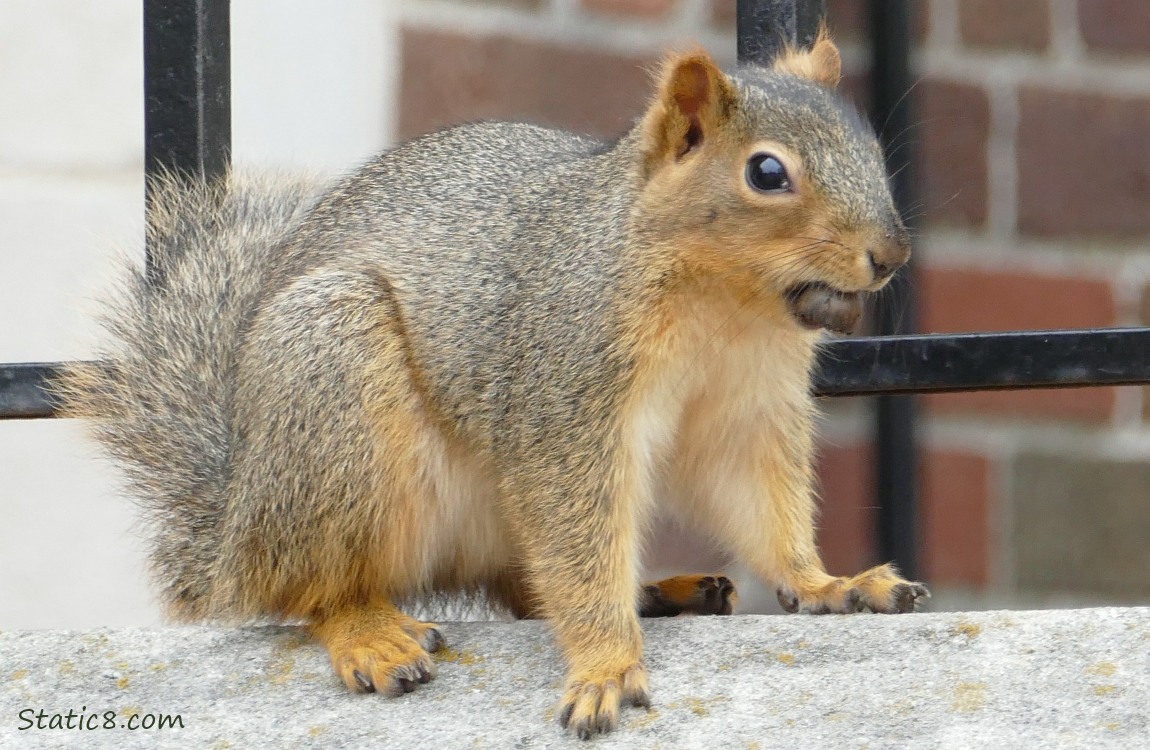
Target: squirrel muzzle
816	304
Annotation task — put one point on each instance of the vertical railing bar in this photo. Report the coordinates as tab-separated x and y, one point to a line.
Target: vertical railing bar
764	26
187	91
896	460
809	15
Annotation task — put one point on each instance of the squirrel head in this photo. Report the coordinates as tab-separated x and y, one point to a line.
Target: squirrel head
768	179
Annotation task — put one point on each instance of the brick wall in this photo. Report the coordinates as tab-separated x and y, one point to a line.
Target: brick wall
1035	188
1033	128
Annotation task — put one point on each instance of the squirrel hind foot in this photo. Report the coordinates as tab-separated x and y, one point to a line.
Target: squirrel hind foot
378	649
690	595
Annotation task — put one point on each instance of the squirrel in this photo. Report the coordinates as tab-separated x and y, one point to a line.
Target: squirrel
478	363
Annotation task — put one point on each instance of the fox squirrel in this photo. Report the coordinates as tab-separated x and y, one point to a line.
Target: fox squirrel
476	364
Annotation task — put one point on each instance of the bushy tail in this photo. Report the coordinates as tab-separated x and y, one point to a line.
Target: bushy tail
160	399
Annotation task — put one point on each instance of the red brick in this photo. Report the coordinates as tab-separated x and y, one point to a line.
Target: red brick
954	505
1120	26
1019	24
963	300
1083	163
1085	405
851	19
448	78
952	130
640	8
955	518
954	300
848	517
848	19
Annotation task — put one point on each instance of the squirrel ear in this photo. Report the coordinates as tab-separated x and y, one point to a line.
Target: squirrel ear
821	63
695	99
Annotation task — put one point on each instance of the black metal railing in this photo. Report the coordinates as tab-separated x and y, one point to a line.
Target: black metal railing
188	131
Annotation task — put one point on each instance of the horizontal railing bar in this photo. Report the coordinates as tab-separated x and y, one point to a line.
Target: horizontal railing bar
23	390
934	363
1015	360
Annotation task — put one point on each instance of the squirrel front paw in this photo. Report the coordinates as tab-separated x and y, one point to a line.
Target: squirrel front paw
880	589
590	704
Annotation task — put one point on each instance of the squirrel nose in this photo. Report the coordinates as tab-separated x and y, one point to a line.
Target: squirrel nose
882	269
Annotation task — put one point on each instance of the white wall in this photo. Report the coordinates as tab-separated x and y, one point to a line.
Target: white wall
313	87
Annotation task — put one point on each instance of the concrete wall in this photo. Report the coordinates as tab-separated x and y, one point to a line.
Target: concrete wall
1062	680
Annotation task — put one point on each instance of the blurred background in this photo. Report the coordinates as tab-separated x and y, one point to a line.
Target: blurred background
1032	134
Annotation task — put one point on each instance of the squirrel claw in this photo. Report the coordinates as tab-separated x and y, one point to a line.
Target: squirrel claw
436	641
364	682
591	705
908	596
427	635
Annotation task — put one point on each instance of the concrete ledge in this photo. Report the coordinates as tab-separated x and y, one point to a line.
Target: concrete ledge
1052	679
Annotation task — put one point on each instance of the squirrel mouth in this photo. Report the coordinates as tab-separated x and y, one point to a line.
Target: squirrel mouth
817	305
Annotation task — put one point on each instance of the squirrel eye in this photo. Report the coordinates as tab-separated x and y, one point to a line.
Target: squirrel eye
767	174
